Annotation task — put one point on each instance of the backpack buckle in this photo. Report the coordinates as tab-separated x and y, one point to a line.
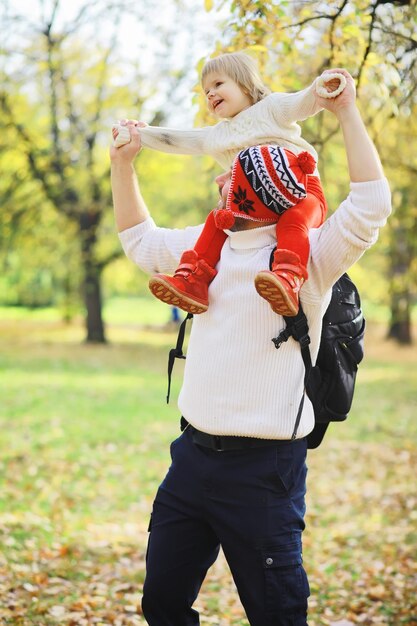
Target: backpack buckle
282	337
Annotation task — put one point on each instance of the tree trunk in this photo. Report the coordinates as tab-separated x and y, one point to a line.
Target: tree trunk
88	223
401	255
93	305
400	326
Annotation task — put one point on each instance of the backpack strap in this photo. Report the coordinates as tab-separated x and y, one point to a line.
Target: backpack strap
177	353
297	327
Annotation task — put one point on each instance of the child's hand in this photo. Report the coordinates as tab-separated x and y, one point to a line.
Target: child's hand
120	132
130	148
345	98
330	84
333	84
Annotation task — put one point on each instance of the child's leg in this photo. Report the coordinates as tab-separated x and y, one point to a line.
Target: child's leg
210	243
293	226
188	288
281	285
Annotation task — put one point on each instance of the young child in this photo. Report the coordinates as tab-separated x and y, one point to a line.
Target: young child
252	116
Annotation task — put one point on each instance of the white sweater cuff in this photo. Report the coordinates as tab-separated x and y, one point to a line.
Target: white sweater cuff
374	196
136	232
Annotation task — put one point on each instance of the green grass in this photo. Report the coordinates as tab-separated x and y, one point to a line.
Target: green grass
84	438
15	313
84	406
146	311
139	311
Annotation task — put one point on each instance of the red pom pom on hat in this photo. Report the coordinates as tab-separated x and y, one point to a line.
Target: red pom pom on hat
224	218
306	162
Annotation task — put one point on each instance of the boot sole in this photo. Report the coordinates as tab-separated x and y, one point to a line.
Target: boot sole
165	292
275	293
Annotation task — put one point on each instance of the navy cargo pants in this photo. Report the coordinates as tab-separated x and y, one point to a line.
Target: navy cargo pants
251	503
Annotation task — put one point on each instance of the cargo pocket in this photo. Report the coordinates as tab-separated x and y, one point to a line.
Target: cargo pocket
173	445
286	582
284	461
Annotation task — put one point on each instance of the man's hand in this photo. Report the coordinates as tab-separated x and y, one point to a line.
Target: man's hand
363	160
129	151
129	206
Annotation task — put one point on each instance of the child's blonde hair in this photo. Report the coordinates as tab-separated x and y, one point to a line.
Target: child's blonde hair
241	68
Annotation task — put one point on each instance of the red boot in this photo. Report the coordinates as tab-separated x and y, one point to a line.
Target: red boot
281	285
188	288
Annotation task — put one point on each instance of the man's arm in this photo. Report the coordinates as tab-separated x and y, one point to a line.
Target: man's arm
153	249
354	227
363	160
129	206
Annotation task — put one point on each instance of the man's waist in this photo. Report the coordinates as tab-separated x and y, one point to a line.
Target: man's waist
223	443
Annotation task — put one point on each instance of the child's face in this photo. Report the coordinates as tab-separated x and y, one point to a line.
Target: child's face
225	98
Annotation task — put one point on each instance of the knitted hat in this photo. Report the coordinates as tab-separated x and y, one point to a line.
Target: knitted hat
266	180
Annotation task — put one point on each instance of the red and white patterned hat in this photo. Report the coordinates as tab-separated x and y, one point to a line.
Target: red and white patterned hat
266	181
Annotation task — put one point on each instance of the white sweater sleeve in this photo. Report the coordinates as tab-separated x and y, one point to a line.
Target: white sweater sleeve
174	141
346	235
156	249
288	108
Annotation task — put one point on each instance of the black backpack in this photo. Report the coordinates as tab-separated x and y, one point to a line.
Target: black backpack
330	383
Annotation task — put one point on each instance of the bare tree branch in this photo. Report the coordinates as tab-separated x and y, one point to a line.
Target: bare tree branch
368	47
320	16
397	35
53	102
38	173
102	84
333	26
116	254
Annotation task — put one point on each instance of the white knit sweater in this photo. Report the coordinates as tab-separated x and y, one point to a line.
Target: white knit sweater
235	381
271	120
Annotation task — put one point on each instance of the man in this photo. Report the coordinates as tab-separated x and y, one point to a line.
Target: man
237	478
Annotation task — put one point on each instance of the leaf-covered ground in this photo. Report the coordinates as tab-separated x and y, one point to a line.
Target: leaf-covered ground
83	444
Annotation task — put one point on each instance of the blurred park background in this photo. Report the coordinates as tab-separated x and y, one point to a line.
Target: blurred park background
84	428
